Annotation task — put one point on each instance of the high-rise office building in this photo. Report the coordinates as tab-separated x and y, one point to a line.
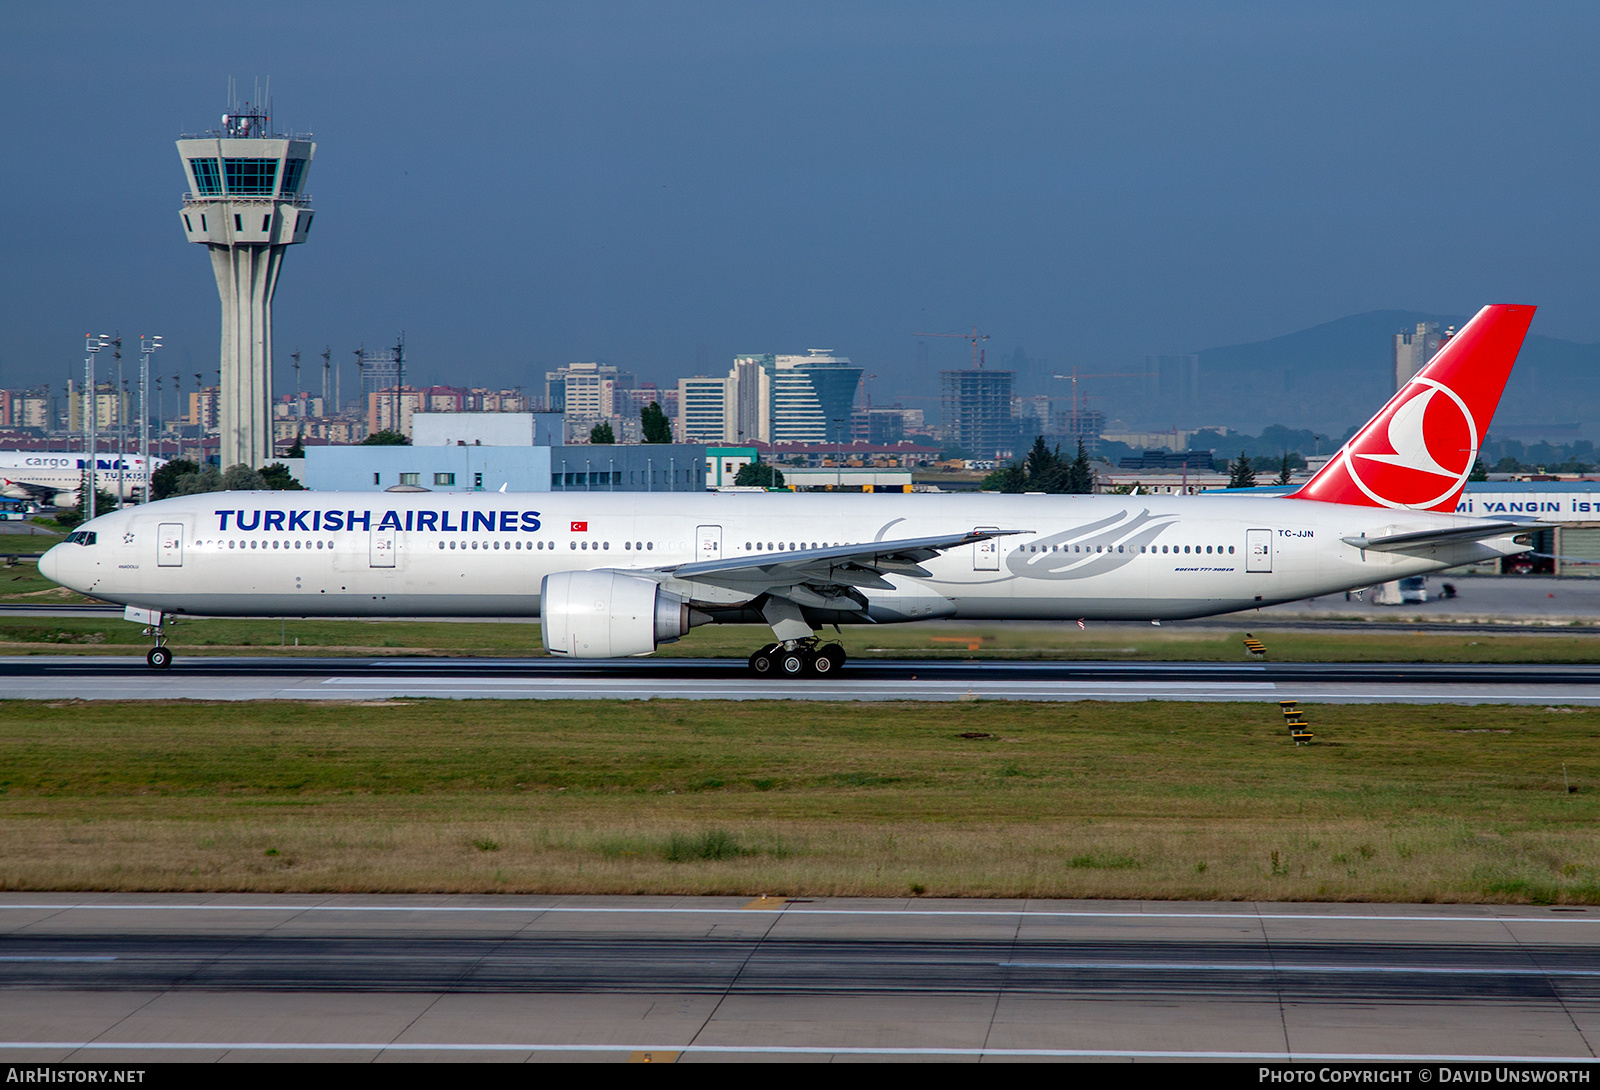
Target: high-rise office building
812	397
247	205
705	409
381	369
1412	351
752	399
585	391
1173	382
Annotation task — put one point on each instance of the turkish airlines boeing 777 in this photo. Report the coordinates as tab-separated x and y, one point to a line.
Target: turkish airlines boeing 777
617	574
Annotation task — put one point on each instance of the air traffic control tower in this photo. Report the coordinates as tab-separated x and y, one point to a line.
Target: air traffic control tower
245	204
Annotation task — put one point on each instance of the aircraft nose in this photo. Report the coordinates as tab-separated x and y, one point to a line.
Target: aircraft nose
49	563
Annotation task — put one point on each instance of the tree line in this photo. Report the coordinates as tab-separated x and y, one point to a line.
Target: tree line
1045	470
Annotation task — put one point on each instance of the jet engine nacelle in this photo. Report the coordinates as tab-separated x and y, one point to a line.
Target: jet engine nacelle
606	615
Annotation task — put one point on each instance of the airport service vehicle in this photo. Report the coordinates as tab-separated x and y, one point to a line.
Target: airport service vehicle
616	574
55	477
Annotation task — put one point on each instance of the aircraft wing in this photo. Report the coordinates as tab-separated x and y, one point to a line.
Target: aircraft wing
1454	535
859	565
39	492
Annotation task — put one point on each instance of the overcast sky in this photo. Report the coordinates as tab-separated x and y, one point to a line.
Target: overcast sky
521	185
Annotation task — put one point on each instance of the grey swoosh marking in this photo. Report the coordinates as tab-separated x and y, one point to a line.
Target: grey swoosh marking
884	529
1109	533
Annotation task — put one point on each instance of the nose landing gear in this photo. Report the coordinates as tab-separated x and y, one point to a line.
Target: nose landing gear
797	658
160	656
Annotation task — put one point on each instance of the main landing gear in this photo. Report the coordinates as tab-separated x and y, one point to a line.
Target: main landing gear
797	658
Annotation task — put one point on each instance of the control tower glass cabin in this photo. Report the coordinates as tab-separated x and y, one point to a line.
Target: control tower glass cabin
246	203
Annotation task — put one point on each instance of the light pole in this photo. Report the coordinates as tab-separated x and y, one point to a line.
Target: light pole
147	348
118	391
838	462
91	344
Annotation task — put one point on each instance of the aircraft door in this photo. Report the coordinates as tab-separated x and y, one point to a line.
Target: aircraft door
381	549
169	545
1258	550
986	553
708	543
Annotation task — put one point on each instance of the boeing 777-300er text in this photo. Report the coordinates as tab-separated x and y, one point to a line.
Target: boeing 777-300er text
617	574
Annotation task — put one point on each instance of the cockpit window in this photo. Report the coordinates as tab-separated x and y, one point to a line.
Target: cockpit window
81	537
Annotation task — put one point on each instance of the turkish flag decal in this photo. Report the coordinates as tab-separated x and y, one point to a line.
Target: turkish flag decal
580	527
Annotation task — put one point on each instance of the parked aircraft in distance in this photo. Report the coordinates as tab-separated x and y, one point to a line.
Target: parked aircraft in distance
56	477
616	574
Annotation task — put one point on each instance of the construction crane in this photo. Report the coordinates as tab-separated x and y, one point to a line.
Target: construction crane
975	337
1077	427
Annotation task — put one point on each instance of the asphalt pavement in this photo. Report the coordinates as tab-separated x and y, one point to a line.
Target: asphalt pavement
129	978
122	677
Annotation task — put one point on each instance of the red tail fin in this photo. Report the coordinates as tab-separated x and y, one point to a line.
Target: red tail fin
1419	450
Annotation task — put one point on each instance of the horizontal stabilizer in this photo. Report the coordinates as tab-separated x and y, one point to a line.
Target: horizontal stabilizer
1454	535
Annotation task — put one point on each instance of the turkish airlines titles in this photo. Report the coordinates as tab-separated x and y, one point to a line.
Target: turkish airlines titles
438	521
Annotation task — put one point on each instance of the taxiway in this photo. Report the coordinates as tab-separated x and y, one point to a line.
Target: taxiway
45	677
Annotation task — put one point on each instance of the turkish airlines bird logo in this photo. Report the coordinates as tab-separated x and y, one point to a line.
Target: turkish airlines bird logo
1419	451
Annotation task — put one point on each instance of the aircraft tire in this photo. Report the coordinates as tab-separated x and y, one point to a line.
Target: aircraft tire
159	658
762	664
794	663
830	660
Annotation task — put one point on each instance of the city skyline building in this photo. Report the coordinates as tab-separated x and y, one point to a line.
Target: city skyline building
977	411
246	204
705	409
812	397
586	393
380	369
1413	350
752	398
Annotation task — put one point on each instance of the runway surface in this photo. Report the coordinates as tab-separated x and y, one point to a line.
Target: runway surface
118	978
44	677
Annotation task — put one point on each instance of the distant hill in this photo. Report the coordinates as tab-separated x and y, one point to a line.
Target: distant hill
1332	376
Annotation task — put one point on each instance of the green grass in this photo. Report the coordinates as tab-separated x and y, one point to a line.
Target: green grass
1068	800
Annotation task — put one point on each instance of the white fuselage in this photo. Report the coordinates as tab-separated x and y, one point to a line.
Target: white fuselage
58	475
485	554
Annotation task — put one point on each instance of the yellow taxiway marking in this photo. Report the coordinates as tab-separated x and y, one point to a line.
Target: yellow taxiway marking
770	903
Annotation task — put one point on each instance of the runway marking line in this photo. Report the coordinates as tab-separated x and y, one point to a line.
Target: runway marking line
1264	967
